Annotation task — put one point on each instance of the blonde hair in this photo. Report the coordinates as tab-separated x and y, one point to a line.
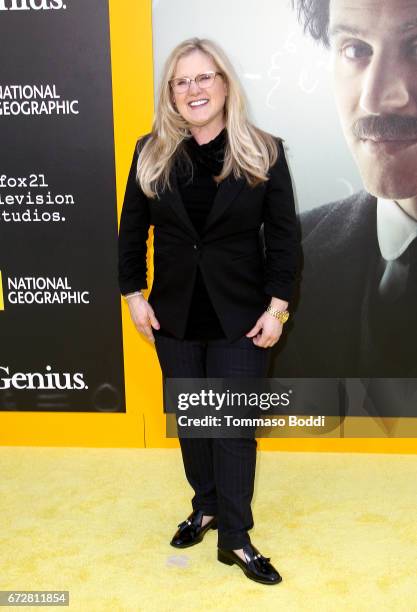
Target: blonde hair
249	151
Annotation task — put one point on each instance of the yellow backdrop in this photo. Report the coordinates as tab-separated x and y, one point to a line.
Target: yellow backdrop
144	422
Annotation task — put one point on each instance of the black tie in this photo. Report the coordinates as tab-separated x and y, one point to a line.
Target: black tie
389	323
398	276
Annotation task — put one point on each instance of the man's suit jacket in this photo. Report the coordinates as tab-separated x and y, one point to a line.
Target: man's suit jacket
340	246
338	241
340	327
240	275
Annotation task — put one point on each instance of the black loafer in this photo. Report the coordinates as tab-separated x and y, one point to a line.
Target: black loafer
190	531
256	568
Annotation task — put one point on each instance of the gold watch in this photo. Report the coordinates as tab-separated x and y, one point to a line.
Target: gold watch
281	315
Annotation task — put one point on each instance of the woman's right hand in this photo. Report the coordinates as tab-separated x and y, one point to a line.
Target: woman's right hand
143	316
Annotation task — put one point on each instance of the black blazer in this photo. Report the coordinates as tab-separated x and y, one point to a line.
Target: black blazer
240	274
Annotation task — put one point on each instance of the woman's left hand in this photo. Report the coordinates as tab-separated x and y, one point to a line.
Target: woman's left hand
266	331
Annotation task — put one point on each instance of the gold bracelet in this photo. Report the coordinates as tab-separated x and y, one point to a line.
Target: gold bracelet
281	315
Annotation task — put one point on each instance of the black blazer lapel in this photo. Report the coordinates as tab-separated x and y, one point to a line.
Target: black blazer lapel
227	192
174	199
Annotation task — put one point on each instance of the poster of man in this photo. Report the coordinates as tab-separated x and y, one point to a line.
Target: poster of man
355	314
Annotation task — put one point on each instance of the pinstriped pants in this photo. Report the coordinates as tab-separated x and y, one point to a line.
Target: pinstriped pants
220	470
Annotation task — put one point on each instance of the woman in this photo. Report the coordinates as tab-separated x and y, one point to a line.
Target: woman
207	180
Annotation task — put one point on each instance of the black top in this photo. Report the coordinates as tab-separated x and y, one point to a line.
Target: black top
198	190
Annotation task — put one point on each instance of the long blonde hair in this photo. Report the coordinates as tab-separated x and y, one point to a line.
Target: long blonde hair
249	151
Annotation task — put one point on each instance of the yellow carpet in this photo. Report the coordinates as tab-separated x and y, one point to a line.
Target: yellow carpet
340	528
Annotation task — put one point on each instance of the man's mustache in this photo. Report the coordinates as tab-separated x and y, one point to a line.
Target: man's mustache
386	127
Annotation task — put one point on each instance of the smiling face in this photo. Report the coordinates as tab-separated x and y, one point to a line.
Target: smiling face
374	45
200	107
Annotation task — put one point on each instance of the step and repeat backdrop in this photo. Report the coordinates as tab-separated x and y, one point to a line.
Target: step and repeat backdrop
76	89
60	324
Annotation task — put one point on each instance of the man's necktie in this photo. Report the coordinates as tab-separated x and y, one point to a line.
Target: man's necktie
389	319
398	274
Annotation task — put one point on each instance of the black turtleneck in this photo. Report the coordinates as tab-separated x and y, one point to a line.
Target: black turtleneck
198	192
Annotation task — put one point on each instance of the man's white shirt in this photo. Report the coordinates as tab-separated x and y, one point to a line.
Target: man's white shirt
396	229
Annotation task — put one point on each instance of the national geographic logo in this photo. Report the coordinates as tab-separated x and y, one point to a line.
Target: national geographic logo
26	290
35	5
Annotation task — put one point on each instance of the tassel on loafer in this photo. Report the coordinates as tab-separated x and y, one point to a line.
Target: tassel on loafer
190	531
256	567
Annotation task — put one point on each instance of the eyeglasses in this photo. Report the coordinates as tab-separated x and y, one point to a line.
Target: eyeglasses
204	81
